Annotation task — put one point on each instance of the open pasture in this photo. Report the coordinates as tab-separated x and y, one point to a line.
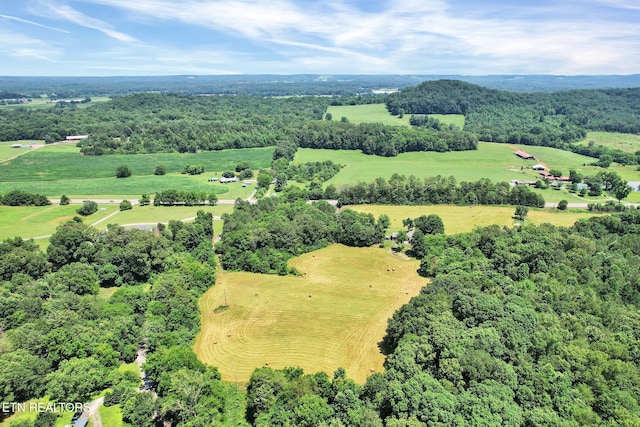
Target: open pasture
7	152
156	214
36	221
333	316
620	141
126	188
494	161
462	219
377	113
60	162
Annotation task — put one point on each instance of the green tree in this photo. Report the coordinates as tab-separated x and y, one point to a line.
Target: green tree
88	207
562	205
328	116
160	170
264	179
144	200
123	171
77	277
521	212
21	376
76	380
281	182
621	190
64	200
125	205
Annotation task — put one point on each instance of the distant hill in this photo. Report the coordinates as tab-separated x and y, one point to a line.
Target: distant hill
549	119
300	84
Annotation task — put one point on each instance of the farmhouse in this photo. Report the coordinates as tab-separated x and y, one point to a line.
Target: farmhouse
76	137
224	180
524	155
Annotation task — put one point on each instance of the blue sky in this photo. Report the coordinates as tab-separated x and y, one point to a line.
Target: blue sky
469	37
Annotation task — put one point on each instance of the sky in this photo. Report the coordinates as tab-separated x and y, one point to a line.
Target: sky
464	37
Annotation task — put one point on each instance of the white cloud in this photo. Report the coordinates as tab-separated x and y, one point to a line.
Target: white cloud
72	15
26	21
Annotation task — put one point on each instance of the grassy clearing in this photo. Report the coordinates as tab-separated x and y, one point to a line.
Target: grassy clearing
377	113
127	188
6	151
112	416
491	160
620	141
63	162
35	221
129	367
462	219
41	103
60	169
155	214
334	316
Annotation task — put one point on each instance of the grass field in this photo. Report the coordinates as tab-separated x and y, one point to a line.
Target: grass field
334	316
462	219
40	103
7	152
621	141
60	169
494	161
34	221
377	113
112	416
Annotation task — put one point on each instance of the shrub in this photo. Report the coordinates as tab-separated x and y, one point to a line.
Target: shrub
160	170
88	207
562	205
125	205
123	172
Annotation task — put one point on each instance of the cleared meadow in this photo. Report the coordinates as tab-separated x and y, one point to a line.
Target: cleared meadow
333	316
621	141
35	221
462	219
491	160
60	169
377	113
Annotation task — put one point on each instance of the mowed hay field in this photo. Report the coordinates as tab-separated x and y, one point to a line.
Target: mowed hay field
333	316
462	219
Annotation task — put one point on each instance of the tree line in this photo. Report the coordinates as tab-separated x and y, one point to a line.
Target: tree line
403	190
262	237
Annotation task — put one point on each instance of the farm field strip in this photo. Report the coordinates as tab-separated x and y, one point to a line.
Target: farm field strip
462	219
63	162
491	160
36	221
333	316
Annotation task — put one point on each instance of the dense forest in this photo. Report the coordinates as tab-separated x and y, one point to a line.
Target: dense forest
262	237
549	119
147	123
60	337
528	326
